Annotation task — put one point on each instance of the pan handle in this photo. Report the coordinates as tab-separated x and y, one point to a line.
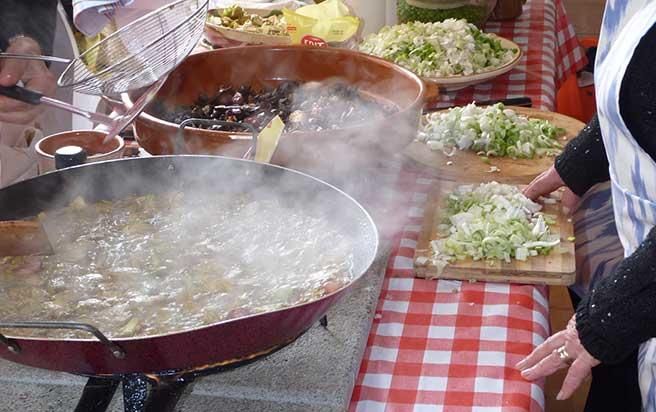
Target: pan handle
13	346
180	146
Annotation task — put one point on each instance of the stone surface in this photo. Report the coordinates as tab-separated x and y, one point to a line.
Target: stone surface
315	373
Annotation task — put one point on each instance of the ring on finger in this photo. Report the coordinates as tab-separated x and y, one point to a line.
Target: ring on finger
563	355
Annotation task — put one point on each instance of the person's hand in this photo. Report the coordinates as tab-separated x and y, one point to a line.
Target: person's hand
560	351
33	73
549	181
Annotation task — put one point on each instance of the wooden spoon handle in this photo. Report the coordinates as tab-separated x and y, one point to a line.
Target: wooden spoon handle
23	238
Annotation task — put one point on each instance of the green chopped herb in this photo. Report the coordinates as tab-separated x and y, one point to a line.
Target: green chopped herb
441	49
491	221
490	131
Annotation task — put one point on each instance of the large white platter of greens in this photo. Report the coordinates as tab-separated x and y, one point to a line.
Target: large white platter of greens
452	53
246	26
492	232
477	143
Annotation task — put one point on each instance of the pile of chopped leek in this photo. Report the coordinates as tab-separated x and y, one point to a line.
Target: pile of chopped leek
492	221
490	131
441	49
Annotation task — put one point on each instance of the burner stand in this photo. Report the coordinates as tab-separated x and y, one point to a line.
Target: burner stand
151	392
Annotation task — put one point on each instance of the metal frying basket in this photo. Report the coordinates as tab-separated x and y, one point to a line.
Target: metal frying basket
138	54
141	52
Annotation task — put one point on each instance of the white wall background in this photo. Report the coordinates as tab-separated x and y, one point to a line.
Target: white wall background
55	120
376	13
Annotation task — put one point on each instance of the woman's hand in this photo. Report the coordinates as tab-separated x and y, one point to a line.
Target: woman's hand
550	181
33	73
560	351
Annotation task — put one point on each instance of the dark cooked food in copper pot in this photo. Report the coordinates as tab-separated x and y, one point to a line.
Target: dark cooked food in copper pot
302	107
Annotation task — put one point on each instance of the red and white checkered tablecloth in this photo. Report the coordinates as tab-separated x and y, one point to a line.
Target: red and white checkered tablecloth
449	345
551	53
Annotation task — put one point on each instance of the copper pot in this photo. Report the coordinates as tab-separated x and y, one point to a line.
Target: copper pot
261	66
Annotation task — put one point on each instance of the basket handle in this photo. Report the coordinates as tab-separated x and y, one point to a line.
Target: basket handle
34	57
181	147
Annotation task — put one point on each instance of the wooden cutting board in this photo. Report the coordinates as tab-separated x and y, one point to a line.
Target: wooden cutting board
468	167
557	268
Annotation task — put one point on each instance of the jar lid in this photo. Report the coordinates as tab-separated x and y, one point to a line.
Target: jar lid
68	156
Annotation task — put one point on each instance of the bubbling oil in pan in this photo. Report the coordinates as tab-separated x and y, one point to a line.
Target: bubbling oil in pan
158	264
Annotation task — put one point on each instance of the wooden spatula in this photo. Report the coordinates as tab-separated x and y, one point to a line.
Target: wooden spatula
23	238
267	140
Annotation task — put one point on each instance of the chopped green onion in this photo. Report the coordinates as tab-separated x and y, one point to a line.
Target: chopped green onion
491	221
490	131
440	49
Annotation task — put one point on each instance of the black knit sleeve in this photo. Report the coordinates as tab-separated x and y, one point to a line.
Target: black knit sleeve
618	314
638	94
583	162
36	19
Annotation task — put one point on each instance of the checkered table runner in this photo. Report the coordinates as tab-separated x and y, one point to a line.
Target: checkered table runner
450	345
551	53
